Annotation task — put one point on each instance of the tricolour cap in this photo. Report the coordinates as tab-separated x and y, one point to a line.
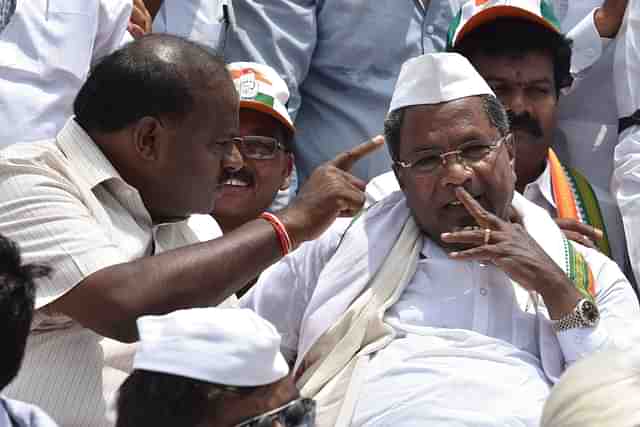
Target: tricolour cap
435	78
475	13
261	88
227	346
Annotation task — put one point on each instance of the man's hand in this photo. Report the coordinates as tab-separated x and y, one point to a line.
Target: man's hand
330	192
514	251
608	17
140	21
579	232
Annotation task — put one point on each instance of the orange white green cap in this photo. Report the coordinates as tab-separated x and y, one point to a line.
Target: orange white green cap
260	88
475	13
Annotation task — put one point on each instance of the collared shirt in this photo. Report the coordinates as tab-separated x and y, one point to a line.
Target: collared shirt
67	206
45	55
540	192
19	414
340	59
626	178
459	324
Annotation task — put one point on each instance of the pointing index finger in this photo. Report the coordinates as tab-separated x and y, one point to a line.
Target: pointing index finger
484	218
346	160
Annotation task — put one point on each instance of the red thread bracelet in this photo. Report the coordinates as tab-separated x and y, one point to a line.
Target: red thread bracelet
286	244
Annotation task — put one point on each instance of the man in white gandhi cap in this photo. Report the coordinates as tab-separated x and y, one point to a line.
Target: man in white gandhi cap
206	367
453	301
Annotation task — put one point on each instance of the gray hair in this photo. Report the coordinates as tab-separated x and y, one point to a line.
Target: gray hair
494	109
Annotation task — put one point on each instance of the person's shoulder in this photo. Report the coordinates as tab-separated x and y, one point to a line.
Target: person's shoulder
27	414
33	151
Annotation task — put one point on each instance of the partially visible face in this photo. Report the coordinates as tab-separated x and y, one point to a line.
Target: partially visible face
243	407
525	85
435	129
250	185
189	169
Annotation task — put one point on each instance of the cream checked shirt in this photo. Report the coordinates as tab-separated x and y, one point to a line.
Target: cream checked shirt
67	206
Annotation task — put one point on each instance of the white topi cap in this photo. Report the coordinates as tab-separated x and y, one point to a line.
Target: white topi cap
435	78
227	346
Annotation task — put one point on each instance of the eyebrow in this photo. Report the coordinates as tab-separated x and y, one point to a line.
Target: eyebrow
544	80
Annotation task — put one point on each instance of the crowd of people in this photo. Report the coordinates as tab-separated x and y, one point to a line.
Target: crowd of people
319	213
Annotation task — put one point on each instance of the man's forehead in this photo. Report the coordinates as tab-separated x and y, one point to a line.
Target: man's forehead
527	67
452	121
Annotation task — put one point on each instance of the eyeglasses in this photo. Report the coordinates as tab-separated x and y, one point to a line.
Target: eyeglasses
297	413
467	154
255	147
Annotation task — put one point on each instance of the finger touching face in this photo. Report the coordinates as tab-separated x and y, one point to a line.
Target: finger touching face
432	197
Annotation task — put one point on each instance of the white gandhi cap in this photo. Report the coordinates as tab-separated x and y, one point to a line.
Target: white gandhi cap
435	78
227	346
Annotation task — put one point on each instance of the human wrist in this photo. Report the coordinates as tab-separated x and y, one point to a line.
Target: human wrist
560	296
607	23
292	221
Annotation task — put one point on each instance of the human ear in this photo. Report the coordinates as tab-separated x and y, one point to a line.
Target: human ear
148	136
286	182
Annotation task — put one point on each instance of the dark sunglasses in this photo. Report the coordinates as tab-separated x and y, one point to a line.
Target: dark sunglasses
297	413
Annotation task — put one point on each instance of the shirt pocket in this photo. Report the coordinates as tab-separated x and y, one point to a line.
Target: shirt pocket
72	27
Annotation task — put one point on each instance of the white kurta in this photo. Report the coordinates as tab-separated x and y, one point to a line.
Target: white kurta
66	206
626	180
457	325
45	55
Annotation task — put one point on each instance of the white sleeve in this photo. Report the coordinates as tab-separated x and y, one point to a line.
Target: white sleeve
112	32
284	290
587	45
619	326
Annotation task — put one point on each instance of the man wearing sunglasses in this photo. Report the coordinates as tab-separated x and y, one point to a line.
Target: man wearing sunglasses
211	367
260	161
438	306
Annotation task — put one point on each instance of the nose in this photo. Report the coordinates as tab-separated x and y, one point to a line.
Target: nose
517	102
233	159
455	172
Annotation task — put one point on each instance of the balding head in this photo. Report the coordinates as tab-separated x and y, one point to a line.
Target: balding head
160	110
158	75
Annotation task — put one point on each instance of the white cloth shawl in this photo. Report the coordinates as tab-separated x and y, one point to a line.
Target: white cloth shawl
344	317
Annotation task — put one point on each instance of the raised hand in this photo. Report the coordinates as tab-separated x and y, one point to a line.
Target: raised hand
509	247
330	192
140	21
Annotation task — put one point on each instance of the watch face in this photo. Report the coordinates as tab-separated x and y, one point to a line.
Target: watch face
589	313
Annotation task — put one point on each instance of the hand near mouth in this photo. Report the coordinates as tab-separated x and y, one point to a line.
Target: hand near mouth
510	248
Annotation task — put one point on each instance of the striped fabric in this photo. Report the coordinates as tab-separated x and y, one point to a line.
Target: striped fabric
575	199
67	206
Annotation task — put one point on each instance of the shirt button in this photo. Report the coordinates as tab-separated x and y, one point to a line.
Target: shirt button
483	291
430	29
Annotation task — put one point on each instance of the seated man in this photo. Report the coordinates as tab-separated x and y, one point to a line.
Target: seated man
525	59
210	367
17	291
455	300
107	205
261	159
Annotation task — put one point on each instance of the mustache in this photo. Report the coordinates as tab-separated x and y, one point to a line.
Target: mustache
525	122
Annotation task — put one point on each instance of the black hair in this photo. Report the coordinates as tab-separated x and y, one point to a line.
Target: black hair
155	75
159	399
17	299
517	37
491	105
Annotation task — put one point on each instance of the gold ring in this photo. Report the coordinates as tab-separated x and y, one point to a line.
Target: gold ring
487	235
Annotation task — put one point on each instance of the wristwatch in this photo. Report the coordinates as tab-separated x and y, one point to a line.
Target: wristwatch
585	315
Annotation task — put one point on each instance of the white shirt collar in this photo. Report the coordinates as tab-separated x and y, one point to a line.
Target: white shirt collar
542	185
